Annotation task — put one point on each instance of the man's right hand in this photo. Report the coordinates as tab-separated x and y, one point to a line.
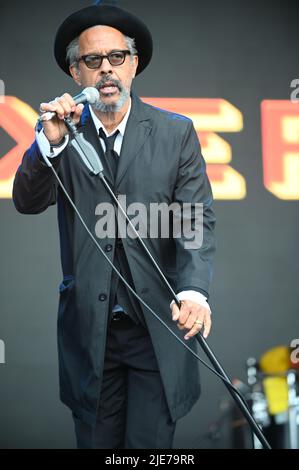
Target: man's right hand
55	129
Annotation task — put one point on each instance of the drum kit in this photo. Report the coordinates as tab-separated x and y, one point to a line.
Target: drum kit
272	394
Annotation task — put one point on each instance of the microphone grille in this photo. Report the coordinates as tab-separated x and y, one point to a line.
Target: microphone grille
92	94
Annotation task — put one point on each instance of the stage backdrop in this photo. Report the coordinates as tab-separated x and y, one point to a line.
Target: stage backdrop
232	67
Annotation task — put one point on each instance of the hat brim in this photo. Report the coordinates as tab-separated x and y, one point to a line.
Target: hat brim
107	15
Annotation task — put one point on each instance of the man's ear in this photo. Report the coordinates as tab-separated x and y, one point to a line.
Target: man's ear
135	64
75	73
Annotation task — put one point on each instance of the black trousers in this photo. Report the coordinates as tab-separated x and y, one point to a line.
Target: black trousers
132	410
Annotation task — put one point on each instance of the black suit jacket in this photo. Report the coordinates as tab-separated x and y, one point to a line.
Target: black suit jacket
160	161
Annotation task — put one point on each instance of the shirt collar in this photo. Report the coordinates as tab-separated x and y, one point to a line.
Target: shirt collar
121	126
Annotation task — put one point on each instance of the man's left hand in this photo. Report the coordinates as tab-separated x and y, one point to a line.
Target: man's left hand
193	317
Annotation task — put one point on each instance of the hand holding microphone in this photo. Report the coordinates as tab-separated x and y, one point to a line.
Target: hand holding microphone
53	113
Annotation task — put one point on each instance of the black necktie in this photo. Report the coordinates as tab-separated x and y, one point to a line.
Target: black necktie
110	154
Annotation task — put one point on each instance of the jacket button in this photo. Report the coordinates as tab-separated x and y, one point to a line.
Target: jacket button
102	297
108	248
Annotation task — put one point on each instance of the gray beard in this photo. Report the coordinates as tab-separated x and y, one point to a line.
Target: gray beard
115	107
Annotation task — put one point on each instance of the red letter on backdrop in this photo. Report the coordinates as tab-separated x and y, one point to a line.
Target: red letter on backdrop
209	116
280	140
18	120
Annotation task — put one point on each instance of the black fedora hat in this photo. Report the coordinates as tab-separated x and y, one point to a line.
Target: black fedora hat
107	15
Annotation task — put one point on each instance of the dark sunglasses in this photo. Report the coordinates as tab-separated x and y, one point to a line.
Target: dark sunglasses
94	61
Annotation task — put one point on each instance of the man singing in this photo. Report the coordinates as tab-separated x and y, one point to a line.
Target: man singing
126	379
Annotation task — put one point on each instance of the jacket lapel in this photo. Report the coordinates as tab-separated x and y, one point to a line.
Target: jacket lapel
137	131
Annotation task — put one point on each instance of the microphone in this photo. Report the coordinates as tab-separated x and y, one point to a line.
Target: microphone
88	95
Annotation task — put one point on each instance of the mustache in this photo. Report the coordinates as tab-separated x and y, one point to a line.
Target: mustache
108	79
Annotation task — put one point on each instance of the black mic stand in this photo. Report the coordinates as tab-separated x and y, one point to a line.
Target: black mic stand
93	162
